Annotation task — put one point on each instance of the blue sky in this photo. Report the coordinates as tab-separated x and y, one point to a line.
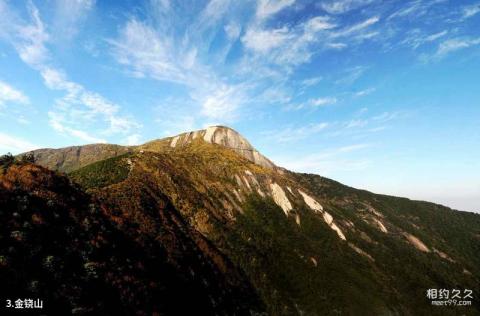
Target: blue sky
381	95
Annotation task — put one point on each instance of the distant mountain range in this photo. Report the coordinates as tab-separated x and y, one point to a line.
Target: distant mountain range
202	223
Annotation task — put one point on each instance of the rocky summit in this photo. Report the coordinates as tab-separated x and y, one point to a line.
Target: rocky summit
202	223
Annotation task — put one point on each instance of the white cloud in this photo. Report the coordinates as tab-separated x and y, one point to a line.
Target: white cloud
69	14
184	57
350	148
387	116
57	122
455	44
471	10
323	101
221	104
311	81
360	126
10	94
365	92
351	75
415	9
327	161
14	144
435	36
163	4
338	46
356	123
405	11
356	27
32	39
319	23
215	9
133	140
56	80
267	8
263	41
275	95
314	103
79	107
343	6
160	55
289	46
140	47
232	30
415	38
290	134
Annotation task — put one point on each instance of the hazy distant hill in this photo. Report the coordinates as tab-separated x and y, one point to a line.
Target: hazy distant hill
206	211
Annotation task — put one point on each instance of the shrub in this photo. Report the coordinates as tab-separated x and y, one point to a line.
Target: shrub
28	157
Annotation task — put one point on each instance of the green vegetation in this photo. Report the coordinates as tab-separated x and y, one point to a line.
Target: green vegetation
103	173
201	217
301	269
401	266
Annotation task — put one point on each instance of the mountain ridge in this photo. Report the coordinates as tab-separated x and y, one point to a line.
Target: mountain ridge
69	158
306	244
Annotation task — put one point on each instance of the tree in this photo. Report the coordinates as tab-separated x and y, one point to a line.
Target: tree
6	160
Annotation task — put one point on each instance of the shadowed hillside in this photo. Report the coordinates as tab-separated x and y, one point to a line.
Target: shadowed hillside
57	244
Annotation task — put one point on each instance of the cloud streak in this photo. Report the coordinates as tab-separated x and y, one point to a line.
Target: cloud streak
14	144
10	94
79	107
327	161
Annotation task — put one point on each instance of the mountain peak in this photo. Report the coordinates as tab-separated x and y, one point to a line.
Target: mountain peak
227	137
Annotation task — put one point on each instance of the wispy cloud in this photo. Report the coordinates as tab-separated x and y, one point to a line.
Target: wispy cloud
327	161
416	38
356	123
288	46
343	6
435	36
455	44
267	8
311	81
313	103
361	126
296	133
59	123
69	14
351	75
222	103
79	107
388	116
365	92
323	101
471	10
10	94
232	30
132	140
263	41
150	52
270	56
356	28
414	9
9	143
31	39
